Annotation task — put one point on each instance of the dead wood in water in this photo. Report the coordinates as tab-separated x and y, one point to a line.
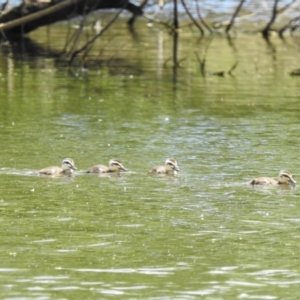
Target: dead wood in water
23	18
32	14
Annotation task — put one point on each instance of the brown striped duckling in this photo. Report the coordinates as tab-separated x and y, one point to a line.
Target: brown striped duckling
67	167
284	177
170	168
114	165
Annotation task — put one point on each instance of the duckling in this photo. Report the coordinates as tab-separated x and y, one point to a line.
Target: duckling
284	177
67	167
169	168
114	165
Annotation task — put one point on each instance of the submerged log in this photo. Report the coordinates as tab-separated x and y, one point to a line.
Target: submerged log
29	16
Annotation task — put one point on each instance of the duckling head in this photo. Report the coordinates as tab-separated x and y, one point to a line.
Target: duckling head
116	165
68	164
286	177
171	165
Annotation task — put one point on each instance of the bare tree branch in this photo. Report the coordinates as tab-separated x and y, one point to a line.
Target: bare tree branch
192	18
293	25
4	5
153	19
283	9
176	24
202	20
265	31
132	19
228	27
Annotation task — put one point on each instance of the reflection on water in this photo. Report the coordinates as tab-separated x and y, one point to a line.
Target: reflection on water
203	232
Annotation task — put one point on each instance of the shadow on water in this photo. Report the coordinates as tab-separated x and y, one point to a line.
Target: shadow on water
35	53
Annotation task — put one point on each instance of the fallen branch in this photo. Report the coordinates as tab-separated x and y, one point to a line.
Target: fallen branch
22	19
37	15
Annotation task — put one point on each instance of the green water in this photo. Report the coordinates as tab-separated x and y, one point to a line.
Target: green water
137	236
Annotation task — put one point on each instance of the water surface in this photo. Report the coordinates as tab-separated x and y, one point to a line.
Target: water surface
201	233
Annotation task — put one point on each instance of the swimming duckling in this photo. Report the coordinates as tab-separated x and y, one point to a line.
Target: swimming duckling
67	167
170	168
114	165
284	177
